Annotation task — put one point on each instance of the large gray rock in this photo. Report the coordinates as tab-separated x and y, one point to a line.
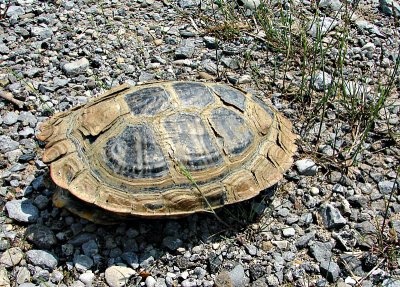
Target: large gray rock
391	282
42	258
15	11
185	50
322	26
332	217
335	5
41	236
10	118
83	263
7	144
42	32
321	81
303	240
4	49
90	248
251	4
238	276
76	67
321	251
386	187
22	210
330	270
188	3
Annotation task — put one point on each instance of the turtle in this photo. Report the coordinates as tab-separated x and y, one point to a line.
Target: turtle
165	149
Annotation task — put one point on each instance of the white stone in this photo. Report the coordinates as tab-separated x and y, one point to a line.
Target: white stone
289	232
117	276
306	167
150	281
350	281
314	190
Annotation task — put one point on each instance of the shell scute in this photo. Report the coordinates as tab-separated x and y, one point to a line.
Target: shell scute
97	117
191	141
148	101
231	96
135	154
233	134
193	94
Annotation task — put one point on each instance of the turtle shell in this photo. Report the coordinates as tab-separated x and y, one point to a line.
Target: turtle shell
168	149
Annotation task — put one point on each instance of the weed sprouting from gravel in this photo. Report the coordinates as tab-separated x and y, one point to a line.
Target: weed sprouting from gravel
310	47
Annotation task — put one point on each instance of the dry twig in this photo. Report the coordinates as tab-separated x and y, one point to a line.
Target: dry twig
9	97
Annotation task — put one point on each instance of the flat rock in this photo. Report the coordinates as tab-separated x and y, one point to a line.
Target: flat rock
76	67
10	118
185	50
353	263
7	144
23	275
15	11
386	187
82	262
303	240
172	243
251	4
42	32
335	5
42	258
238	276
117	276
321	251
90	248
11	257
81	238
322	26
188	3
22	210
391	282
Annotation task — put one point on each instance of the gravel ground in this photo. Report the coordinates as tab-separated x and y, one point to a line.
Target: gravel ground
321	226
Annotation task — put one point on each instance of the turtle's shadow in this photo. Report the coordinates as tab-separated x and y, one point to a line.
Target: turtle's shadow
151	238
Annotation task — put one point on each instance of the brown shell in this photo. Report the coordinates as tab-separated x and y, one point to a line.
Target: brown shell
168	149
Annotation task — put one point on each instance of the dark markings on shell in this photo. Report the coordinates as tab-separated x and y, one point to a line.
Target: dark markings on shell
215	200
234	135
154	206
193	94
231	96
263	105
148	101
192	142
135	154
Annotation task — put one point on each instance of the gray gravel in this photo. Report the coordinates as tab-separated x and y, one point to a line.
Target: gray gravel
55	55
